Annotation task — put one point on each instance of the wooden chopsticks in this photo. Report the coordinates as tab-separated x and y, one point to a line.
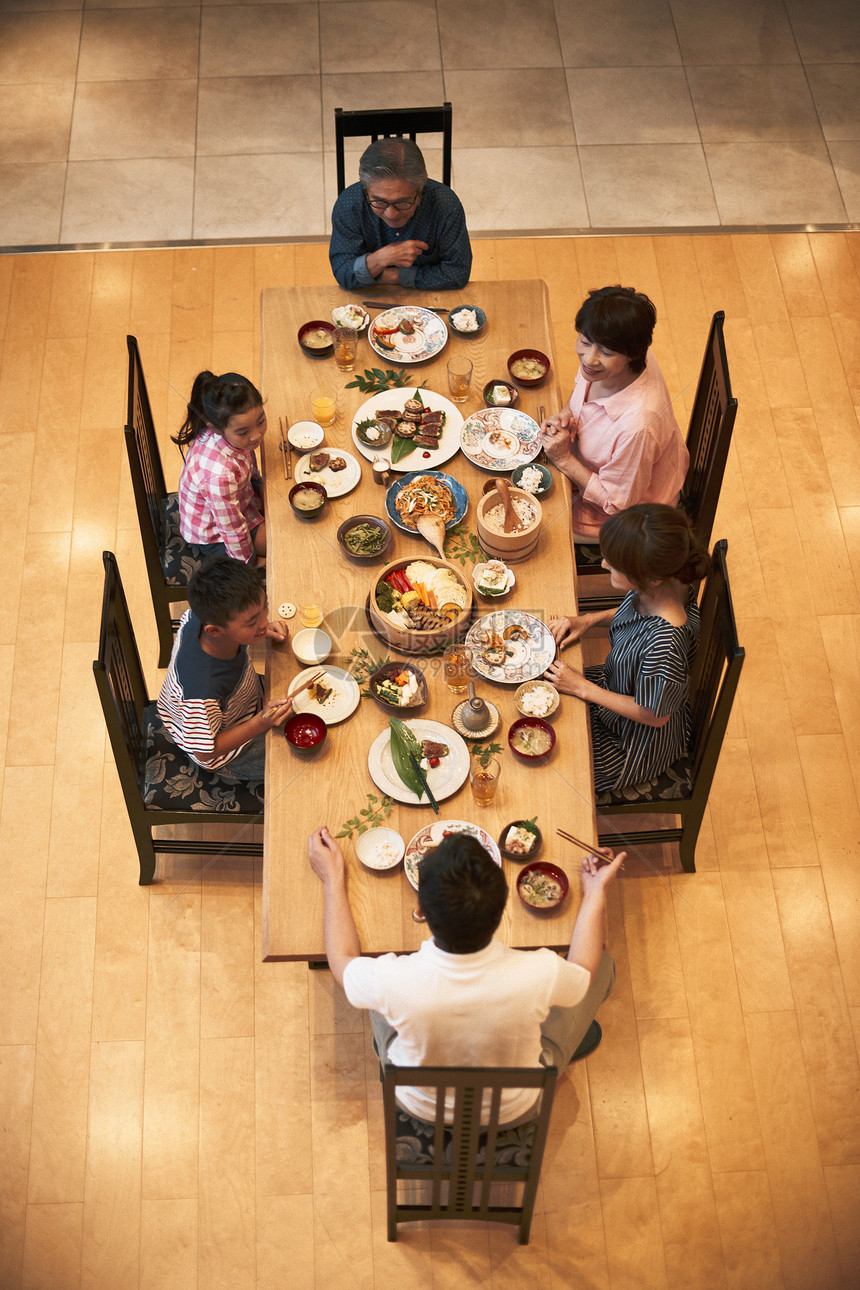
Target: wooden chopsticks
591	847
306	685
286	450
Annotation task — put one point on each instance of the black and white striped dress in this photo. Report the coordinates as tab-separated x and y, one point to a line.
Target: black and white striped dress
649	660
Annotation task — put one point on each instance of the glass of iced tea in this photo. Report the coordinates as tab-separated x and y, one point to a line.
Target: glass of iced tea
484	778
311	609
345	346
459	378
457	661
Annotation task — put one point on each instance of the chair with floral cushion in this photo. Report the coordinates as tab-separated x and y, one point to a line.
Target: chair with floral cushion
460	1168
161	784
389	123
684	788
170	560
709	436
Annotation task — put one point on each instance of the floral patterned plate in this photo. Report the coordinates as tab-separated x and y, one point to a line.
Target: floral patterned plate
500	438
428	339
528	646
432	834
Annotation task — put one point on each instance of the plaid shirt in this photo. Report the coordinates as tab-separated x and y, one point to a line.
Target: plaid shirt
216	500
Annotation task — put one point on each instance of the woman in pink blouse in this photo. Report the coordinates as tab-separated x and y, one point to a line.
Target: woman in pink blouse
617	439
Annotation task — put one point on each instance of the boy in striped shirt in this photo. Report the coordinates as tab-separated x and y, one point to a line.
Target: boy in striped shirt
211	701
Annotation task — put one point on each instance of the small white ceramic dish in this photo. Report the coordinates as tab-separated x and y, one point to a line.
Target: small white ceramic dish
305	435
479	569
368	848
311	646
350	316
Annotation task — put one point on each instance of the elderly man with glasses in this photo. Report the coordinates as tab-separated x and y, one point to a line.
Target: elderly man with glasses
398	226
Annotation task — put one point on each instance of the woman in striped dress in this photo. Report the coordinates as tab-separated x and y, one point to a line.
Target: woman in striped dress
640	716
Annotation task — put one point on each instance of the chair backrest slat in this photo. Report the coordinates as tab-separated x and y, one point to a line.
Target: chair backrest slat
139	419
709	434
388	123
717	666
120	679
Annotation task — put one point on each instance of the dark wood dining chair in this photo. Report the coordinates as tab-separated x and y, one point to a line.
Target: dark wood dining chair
683	790
472	1168
388	123
160	784
170	561
709	436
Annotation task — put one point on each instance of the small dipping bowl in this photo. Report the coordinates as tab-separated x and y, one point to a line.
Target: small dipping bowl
311	645
317	351
529	381
308	486
369	846
353	522
542	869
530	723
545	477
386	434
305	733
520	856
305	435
480	316
492	594
512	390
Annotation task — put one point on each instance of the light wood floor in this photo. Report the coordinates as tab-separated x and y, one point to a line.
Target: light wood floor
178	1114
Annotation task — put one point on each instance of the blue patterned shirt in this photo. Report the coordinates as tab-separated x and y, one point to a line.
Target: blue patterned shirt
439	220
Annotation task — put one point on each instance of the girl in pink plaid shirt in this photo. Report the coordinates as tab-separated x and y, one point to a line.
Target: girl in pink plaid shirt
220	507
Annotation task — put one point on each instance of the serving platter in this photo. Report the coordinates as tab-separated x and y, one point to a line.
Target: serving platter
340	705
432	834
500	439
337	483
444	779
461	498
389	400
528	653
428	339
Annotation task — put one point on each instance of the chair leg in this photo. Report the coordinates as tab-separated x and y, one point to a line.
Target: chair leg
687	845
145	852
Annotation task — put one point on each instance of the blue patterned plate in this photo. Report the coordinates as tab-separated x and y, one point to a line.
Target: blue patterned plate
459	496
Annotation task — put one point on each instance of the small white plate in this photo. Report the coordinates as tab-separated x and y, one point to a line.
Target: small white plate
337	483
340	704
432	834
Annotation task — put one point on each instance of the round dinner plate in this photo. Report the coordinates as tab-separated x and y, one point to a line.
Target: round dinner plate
337	483
461	498
500	438
444	779
525	658
389	400
432	834
340	704
428	339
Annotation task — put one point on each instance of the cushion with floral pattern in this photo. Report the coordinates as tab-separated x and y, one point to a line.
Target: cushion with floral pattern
173	782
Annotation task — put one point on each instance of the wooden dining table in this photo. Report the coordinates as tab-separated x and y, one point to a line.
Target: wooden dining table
334	786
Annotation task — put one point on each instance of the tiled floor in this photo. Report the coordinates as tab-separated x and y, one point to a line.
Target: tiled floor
131	122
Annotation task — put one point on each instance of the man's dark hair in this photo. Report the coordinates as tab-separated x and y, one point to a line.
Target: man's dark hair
393	159
462	893
222	588
620	319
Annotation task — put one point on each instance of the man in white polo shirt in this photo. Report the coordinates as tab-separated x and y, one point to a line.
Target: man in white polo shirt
465	998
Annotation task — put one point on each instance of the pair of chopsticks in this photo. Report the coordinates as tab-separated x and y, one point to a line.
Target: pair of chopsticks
391	304
420	773
286	450
306	685
590	848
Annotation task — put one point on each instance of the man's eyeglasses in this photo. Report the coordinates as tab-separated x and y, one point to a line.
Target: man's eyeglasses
380	204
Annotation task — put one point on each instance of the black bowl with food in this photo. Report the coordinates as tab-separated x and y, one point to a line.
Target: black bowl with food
520	840
308	499
375	434
531	739
542	885
364	538
528	367
398	685
317	338
467	320
305	732
500	394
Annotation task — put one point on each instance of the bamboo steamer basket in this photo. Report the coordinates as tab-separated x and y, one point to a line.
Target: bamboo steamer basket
412	641
510	547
